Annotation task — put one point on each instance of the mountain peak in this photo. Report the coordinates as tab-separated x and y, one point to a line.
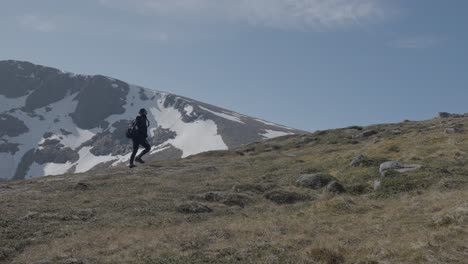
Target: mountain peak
60	122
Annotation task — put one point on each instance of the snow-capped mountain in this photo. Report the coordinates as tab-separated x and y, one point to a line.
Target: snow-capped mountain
54	122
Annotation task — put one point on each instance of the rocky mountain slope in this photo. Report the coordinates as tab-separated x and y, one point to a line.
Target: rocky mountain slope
53	122
393	193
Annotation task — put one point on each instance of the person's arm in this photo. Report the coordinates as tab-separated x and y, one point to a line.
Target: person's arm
138	123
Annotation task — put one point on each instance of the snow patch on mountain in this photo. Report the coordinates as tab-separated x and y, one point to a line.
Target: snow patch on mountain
272	133
188	110
223	115
192	138
7	104
38	170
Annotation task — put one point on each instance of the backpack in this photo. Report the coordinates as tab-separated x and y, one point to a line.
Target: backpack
130	130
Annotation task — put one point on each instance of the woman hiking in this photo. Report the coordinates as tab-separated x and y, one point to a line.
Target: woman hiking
139	137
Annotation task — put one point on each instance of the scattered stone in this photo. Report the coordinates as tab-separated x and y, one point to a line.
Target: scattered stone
377	185
271	148
314	181
453	130
335	187
397	166
306	139
366	134
193	208
285	197
358	161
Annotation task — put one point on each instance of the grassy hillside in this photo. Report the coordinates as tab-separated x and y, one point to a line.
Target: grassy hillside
245	206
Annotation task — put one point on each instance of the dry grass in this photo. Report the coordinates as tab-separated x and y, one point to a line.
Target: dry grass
131	216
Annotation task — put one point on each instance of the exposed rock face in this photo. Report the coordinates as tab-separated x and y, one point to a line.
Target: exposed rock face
53	122
397	166
98	99
11	126
9	148
55	155
162	135
15	78
24	165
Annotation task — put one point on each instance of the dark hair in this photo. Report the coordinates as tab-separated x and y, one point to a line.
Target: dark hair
142	110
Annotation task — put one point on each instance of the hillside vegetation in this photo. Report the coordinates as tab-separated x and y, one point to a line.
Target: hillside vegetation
254	204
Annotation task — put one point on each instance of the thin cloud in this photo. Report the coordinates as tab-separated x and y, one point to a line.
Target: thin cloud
303	14
37	23
417	42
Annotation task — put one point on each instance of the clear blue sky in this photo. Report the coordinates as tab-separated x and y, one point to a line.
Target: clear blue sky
310	64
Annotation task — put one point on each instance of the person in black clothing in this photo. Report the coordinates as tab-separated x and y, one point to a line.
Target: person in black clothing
140	134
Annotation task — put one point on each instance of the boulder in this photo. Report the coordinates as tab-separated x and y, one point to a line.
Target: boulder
285	197
377	184
314	181
193	208
358	161
397	166
335	187
453	130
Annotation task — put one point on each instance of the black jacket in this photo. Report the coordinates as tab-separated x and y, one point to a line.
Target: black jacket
141	127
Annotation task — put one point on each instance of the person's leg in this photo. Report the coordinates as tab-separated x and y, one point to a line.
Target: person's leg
147	149
136	144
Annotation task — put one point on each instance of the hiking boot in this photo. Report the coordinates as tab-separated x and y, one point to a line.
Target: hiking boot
139	160
132	166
